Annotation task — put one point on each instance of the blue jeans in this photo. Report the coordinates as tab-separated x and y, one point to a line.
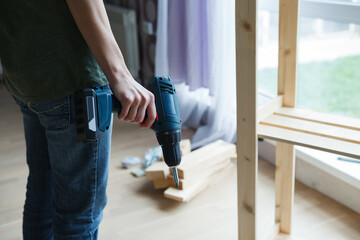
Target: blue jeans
66	187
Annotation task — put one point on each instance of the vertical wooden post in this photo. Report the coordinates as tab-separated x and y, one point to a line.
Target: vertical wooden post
288	29
284	184
285	157
246	91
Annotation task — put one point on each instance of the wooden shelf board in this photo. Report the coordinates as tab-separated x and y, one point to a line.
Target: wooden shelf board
313	128
326	132
309	140
325	118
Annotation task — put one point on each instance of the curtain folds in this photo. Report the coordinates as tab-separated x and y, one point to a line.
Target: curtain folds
196	48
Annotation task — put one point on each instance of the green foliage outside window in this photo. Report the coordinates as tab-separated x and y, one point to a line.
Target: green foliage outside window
328	86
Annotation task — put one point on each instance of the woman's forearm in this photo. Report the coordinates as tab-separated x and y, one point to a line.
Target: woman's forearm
92	21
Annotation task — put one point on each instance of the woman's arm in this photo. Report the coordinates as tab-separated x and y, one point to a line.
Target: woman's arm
92	21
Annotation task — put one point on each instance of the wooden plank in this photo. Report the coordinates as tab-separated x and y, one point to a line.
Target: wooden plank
246	98
270	107
161	183
311	141
199	153
284	185
204	173
324	118
288	30
185	147
189	193
207	156
158	170
313	128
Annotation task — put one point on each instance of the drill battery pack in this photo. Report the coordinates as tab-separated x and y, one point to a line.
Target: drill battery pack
93	108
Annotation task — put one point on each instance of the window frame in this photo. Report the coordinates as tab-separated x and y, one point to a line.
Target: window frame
341	12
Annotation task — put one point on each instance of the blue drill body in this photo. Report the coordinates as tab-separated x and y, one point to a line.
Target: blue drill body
95	105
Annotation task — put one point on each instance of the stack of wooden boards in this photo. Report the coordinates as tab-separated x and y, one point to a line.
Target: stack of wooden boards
159	171
198	169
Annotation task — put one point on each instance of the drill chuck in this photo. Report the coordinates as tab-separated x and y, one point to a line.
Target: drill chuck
170	144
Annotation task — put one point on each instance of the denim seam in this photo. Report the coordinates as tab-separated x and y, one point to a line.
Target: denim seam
94	198
56	107
96	172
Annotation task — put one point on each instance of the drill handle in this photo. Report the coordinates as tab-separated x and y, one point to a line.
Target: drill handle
116	105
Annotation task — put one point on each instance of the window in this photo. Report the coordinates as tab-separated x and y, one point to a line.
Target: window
328	55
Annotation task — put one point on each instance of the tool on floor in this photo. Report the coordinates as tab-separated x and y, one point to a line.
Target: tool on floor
151	155
130	162
95	105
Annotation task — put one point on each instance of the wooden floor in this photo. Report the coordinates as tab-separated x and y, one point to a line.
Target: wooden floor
136	211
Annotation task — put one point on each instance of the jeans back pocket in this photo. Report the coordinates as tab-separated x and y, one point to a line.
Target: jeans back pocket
53	114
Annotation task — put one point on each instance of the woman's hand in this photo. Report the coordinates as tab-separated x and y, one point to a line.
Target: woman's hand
136	101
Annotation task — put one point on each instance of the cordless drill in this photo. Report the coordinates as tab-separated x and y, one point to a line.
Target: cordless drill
93	117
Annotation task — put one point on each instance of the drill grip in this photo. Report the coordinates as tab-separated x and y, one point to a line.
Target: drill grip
116	105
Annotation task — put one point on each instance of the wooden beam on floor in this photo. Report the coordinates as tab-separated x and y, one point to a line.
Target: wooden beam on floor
206	157
158	170
189	193
202	174
161	183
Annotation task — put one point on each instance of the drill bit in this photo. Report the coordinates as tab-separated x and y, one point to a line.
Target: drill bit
176	176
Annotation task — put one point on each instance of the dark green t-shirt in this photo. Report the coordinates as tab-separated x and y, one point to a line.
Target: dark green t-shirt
42	52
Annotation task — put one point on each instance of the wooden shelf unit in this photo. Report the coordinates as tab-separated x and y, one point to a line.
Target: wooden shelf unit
278	120
312	129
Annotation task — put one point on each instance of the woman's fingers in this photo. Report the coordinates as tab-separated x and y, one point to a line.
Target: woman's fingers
141	113
151	113
125	104
133	110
